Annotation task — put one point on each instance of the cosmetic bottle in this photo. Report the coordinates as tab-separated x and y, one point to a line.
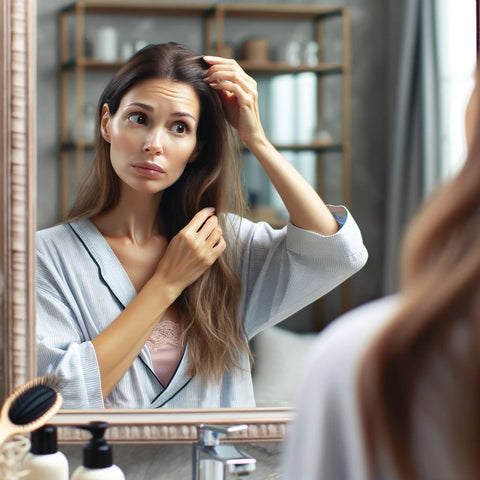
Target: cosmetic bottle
44	461
97	457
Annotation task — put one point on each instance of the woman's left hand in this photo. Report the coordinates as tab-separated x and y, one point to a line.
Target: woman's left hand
239	95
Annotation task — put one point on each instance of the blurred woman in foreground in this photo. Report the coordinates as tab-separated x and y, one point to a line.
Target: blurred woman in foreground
393	387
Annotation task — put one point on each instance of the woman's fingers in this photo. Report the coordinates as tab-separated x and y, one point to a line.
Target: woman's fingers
204	228
233	79
193	250
231	71
239	95
243	95
202	232
200	218
213	60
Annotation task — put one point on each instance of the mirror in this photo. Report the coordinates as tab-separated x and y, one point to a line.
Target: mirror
18	204
93	79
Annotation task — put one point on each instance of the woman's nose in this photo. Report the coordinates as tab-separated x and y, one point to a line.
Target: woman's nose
153	145
156	150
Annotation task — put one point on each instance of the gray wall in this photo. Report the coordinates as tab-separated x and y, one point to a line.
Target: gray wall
374	46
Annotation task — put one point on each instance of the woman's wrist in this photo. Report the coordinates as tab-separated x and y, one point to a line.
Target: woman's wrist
259	144
165	292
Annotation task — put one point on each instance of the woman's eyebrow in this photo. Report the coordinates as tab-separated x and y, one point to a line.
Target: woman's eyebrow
149	108
141	105
184	114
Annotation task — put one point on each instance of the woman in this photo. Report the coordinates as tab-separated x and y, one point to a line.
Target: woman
149	292
392	390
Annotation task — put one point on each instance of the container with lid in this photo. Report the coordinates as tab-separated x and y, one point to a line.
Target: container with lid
44	461
97	456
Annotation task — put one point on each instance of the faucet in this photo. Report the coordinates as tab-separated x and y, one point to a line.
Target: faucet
212	460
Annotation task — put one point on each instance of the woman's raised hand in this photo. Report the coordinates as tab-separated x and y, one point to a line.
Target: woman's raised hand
239	95
192	251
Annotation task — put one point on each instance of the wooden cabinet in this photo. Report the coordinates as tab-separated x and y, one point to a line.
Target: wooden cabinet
217	28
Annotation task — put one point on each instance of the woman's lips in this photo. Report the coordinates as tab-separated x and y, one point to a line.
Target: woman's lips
148	169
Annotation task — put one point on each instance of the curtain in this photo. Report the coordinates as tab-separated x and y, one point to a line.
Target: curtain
415	152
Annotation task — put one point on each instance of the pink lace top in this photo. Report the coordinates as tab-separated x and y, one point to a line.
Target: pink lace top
165	349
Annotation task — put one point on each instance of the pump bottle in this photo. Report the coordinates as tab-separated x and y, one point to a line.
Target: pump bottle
97	457
44	461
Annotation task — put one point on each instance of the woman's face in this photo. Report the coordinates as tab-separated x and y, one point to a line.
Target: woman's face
153	134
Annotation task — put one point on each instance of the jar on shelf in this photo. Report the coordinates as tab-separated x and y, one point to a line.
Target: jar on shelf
291	53
310	53
106	44
256	50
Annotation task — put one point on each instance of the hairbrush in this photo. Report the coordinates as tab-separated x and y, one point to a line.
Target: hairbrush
30	406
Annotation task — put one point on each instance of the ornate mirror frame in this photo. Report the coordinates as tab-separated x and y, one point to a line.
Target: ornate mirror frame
17	268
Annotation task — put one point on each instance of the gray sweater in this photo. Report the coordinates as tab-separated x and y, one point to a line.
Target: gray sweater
82	288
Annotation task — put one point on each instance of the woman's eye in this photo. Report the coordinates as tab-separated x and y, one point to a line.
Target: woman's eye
179	128
138	118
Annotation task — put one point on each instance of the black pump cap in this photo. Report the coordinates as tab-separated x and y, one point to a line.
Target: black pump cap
97	453
44	440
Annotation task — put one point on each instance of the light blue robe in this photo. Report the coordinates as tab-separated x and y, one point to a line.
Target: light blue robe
82	288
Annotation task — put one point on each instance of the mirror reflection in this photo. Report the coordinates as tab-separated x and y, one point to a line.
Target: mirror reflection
181	361
153	285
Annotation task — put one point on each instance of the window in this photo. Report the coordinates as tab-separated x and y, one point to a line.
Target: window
457	58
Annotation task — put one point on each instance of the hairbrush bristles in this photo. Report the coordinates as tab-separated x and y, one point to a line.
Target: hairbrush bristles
50	380
34	399
30	406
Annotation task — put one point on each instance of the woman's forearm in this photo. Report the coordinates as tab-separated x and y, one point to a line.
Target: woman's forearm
119	344
189	254
305	207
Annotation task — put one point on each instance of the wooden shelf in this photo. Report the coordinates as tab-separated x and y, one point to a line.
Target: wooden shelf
140	8
321	147
91	64
76	145
282	67
270	11
238	10
214	16
215	21
272	68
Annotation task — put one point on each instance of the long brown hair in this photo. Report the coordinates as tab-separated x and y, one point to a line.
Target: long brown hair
440	292
208	307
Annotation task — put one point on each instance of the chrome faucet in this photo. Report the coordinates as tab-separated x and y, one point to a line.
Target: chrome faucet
212	460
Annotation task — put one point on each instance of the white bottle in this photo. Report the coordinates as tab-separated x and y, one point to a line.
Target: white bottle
44	461
97	457
106	47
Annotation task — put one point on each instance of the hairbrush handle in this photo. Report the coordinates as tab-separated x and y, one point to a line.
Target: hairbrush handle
7	428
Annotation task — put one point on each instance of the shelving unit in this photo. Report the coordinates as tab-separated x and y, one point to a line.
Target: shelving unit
75	65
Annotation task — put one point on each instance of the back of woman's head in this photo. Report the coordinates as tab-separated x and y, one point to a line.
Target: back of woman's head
440	295
205	180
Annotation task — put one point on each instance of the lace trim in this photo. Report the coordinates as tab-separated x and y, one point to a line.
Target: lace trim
165	332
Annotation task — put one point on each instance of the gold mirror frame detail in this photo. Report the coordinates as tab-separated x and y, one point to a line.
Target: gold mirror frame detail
17	267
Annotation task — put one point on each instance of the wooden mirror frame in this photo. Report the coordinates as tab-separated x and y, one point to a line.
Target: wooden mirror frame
17	268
